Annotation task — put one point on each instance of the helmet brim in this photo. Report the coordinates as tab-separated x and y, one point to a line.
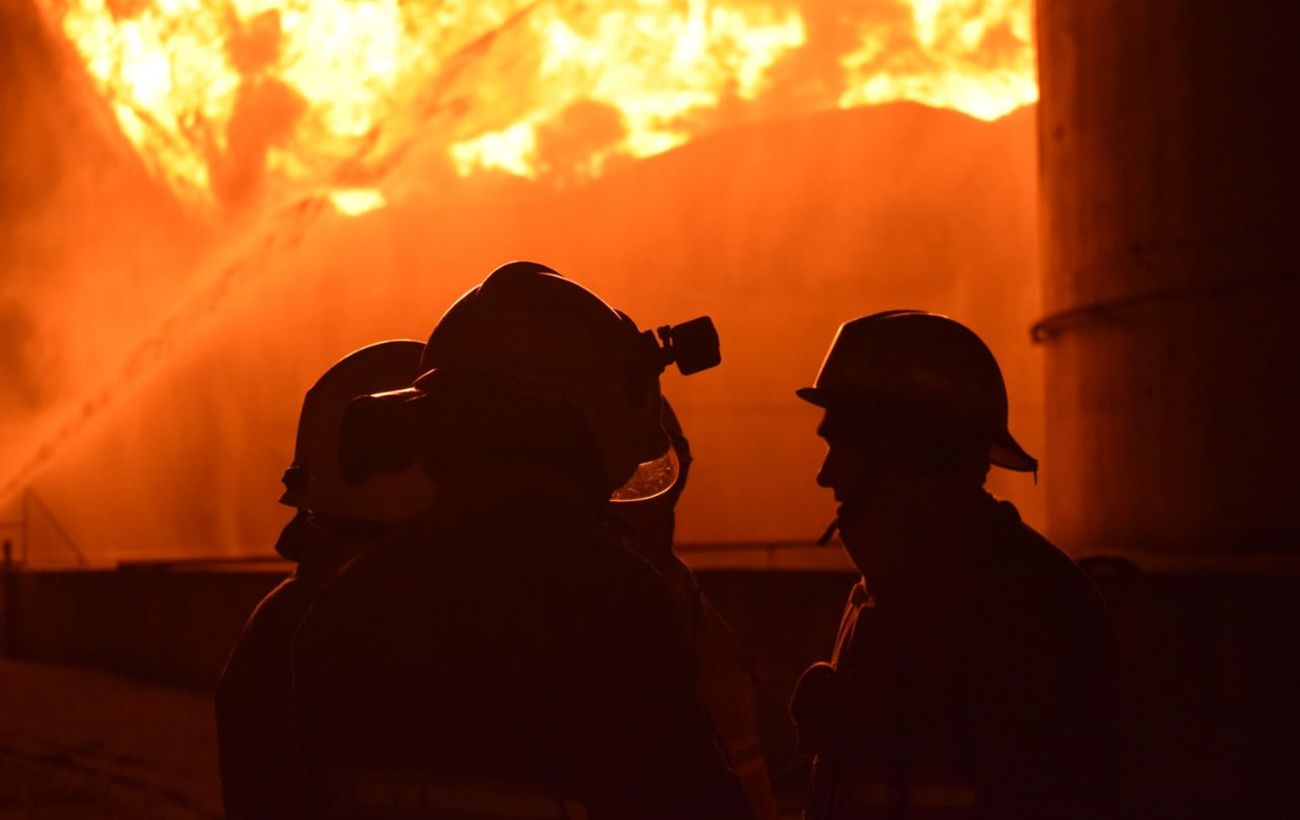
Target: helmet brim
818	396
1007	453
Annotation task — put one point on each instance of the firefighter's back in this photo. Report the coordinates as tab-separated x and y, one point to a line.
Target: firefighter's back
503	655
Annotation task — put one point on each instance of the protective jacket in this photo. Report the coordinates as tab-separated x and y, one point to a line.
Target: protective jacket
726	687
981	685
504	659
260	772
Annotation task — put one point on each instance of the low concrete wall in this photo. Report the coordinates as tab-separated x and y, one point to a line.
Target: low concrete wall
178	625
171	627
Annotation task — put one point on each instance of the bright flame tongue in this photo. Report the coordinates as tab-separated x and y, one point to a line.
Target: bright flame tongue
215	93
226	98
971	55
648	65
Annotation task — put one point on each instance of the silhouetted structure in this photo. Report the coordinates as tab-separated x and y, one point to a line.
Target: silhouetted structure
973	672
260	769
1171	284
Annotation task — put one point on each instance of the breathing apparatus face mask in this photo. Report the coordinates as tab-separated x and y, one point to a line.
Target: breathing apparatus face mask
651	479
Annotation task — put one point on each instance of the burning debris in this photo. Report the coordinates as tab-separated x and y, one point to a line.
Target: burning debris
234	100
448	137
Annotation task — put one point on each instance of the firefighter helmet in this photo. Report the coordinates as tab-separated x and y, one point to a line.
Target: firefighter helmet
923	362
528	325
314	481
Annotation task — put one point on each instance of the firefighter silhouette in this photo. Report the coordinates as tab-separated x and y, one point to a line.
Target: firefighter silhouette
334	522
973	672
723	673
505	658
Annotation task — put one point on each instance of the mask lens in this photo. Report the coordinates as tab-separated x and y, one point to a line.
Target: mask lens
652	478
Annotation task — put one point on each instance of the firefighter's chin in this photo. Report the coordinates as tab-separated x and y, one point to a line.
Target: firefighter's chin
875	536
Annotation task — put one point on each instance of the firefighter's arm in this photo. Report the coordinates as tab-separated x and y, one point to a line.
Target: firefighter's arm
641	748
813	707
727	693
256	752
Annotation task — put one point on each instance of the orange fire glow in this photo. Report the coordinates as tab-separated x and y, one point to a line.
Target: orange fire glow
651	63
975	56
228	100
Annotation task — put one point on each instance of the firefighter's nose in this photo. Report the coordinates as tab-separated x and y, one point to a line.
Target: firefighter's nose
826	475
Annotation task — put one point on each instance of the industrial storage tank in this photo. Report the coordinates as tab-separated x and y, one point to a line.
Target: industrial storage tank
1171	276
1170	285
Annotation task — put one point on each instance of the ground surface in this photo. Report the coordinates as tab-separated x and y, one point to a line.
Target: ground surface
78	743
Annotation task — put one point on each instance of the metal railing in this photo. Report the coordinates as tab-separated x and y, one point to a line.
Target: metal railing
32	510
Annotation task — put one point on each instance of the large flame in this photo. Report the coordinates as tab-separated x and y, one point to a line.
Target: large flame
229	100
643	68
974	56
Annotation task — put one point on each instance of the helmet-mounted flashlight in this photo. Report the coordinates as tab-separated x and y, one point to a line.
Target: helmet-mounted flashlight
692	346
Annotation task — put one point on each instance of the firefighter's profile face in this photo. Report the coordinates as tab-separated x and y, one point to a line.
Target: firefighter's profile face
844	472
852	464
873	518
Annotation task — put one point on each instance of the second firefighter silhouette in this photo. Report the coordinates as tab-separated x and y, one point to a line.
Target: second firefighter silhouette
972	676
334	522
726	688
505	659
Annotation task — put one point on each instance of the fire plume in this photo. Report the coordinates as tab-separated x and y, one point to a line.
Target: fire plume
230	101
974	56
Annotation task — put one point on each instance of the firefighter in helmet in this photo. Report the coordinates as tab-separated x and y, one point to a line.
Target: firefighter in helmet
726	689
973	675
506	658
334	522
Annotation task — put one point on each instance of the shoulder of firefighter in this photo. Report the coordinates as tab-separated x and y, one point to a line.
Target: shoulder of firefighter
430	681
990	700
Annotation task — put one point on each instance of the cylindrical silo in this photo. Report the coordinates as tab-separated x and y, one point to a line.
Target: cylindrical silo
1171	256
